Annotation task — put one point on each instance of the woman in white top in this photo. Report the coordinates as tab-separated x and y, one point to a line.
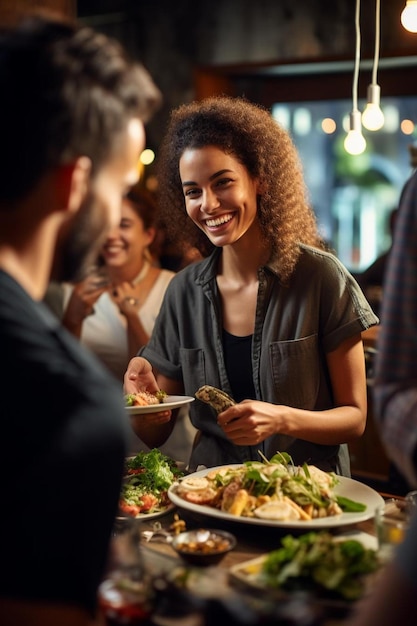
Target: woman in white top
113	310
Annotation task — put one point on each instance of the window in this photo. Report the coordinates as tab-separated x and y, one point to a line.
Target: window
352	196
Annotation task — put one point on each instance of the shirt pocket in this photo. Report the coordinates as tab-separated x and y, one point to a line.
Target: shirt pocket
296	368
193	369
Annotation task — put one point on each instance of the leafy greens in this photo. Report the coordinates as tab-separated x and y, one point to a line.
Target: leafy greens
316	561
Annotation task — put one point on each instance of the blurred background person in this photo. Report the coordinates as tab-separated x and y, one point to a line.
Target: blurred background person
113	310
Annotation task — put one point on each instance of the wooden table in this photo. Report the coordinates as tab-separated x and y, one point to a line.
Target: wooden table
252	541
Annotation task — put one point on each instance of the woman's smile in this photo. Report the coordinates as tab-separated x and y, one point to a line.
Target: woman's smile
215	222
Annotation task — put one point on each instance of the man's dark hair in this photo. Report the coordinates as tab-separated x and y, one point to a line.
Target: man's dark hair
66	91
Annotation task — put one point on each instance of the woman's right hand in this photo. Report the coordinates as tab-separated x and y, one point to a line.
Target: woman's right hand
139	376
81	304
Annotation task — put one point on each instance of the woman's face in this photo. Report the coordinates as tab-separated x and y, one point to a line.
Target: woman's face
220	196
127	241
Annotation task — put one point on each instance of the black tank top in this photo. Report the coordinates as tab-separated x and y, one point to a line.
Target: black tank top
237	356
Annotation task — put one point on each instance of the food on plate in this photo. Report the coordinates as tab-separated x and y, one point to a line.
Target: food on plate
148	478
314	561
145	398
216	398
279	510
273	490
203	546
203	542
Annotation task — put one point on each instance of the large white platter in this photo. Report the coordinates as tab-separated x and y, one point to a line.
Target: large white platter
347	487
170	402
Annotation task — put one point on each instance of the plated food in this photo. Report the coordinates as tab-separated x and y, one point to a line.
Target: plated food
168	402
203	546
274	489
276	493
316	562
145	398
148	475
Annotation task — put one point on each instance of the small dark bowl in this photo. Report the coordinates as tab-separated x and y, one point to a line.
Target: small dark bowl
203	546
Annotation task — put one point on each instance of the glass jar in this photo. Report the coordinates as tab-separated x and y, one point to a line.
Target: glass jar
125	595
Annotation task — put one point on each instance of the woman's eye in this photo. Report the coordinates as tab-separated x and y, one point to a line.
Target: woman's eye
223	181
126	225
192	193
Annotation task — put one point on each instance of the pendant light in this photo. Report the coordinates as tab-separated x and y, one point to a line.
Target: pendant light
409	16
355	142
373	117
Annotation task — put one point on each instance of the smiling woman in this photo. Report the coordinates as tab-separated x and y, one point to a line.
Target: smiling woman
274	301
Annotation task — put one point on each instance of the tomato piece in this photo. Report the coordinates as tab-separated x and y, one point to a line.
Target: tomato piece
149	501
129	509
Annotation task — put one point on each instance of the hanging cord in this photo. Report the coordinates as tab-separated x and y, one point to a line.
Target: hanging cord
357	57
377	41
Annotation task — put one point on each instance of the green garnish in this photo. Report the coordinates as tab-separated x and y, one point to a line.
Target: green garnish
161	395
129	399
350	506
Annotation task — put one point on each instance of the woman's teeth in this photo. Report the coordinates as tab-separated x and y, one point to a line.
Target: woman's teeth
220	220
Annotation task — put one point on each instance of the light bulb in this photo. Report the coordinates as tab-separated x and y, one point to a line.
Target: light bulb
355	142
373	117
409	16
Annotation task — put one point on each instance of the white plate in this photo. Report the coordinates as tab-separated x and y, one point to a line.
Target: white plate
247	573
145	516
170	402
347	487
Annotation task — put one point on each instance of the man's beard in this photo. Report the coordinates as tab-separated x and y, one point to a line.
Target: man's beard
79	242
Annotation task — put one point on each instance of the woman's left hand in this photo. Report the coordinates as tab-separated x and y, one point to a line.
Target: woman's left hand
126	299
250	422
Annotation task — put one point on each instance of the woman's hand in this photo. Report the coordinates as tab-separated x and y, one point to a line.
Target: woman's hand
125	297
139	376
81	303
252	421
249	422
152	428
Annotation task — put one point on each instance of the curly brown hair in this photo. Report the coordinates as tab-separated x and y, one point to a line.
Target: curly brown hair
248	132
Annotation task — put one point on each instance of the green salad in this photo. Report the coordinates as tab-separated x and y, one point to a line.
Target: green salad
148	476
317	561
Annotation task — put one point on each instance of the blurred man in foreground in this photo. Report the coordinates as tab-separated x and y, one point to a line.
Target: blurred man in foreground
72	114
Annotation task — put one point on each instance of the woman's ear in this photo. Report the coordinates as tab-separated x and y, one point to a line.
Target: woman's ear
151	234
72	184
